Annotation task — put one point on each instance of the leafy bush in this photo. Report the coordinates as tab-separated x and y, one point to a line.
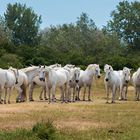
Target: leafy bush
44	130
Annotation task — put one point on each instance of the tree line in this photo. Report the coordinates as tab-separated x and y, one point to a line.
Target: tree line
22	42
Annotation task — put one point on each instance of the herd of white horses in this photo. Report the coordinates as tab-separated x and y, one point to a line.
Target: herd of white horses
70	79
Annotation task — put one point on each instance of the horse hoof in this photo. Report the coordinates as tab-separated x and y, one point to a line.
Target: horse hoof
41	98
31	100
4	102
112	102
89	100
46	98
83	100
8	102
0	102
107	102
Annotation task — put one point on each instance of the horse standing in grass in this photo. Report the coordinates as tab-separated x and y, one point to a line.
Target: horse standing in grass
73	83
31	73
7	81
136	83
53	78
124	81
86	79
37	81
12	78
21	85
111	81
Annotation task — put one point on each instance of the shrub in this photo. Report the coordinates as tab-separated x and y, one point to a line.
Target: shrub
44	130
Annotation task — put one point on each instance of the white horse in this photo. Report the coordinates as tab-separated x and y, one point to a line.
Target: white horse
12	78
111	81
86	79
7	81
58	77
21	85
41	83
31	73
73	83
124	81
136	83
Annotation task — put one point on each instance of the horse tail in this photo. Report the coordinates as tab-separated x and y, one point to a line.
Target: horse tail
24	87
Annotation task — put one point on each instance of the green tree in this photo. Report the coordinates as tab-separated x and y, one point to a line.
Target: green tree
5	33
24	24
126	23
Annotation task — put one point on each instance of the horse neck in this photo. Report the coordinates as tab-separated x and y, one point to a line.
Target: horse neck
138	75
31	74
90	73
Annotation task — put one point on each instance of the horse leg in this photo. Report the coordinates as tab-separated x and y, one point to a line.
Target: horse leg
66	88
5	96
42	90
136	92
125	97
19	97
31	88
74	90
79	93
89	89
121	91
49	96
45	90
53	93
107	94
62	94
1	91
10	90
113	94
84	93
69	94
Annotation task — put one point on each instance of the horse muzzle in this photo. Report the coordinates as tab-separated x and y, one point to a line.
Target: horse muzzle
98	76
42	79
126	81
16	82
106	80
76	81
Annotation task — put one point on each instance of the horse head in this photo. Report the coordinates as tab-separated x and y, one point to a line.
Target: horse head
126	74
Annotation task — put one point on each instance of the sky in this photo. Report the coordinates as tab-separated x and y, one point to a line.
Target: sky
58	12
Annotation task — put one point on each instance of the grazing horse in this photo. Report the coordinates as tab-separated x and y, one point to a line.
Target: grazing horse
136	83
124	81
111	81
53	78
86	79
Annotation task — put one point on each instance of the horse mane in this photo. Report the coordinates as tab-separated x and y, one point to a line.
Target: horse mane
138	71
91	66
30	68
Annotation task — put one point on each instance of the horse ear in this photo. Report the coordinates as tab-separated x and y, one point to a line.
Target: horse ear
44	66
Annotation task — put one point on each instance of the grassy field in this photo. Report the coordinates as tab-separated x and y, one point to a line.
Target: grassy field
94	120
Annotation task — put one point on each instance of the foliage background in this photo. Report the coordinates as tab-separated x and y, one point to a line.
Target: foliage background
23	43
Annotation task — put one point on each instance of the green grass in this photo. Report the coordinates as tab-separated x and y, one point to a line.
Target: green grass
73	121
